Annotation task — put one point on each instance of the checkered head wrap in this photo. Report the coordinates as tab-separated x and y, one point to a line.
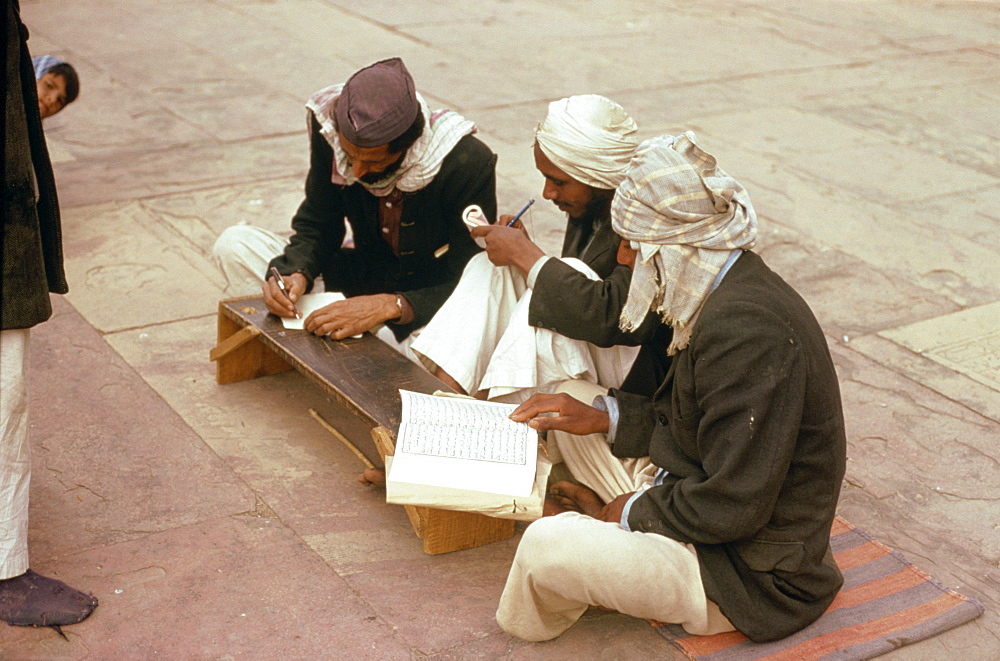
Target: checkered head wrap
685	216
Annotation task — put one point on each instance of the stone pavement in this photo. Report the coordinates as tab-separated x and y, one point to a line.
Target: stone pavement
223	522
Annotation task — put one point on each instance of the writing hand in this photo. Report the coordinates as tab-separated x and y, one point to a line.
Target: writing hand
504	221
353	316
509	246
572	415
276	301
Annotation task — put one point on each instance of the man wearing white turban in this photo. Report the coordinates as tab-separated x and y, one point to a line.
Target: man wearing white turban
528	321
746	434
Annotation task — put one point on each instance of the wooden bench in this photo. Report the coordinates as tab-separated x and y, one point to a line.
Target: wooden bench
362	376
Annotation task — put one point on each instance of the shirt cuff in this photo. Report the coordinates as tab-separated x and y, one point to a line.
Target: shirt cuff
628	507
609	405
535	268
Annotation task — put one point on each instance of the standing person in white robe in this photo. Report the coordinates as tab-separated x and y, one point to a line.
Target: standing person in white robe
520	321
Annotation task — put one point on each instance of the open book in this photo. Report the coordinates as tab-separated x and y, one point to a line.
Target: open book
465	444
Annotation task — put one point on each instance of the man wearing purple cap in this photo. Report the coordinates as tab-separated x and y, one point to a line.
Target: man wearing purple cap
400	176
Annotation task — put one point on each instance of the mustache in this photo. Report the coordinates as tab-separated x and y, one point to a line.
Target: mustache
376	177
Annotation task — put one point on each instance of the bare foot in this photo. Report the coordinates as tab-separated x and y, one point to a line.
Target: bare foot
33	600
447	379
576	498
553	506
373	477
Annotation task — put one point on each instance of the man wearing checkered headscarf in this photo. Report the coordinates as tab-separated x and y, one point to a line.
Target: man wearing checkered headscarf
745	435
685	216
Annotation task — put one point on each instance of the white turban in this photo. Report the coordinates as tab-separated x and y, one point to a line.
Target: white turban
590	138
687	216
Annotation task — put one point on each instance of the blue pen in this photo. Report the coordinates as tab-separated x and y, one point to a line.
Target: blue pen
521	212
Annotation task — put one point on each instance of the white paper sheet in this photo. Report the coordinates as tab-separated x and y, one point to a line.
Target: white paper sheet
308	303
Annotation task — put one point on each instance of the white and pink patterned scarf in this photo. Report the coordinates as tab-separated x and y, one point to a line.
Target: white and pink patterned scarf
442	131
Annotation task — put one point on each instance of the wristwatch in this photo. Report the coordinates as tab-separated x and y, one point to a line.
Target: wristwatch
399	306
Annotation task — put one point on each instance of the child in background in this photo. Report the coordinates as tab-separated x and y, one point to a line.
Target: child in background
58	84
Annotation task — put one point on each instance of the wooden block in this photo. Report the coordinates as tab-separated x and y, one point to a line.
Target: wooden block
248	359
385	443
444	531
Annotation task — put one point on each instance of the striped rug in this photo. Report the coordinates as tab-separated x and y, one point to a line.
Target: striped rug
885	603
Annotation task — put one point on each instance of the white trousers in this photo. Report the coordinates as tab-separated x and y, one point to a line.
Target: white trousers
589	458
569	562
15	453
242	253
482	339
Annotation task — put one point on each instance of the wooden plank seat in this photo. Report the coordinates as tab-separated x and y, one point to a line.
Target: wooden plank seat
363	377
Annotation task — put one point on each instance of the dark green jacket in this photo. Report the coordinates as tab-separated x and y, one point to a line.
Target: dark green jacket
31	243
750	427
432	219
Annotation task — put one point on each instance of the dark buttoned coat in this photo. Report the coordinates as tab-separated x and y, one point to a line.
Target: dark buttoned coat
434	243
571	304
750	428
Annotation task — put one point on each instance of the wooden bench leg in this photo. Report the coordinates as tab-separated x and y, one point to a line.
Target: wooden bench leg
444	531
240	357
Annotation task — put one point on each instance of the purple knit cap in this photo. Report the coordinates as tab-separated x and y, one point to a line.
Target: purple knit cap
377	105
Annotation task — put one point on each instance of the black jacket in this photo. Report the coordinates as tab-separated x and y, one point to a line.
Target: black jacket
31	243
431	219
571	304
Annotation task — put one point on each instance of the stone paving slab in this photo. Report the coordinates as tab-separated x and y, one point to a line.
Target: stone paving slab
126	279
923	370
306	479
112	461
202	166
205	591
597	635
899	241
916	449
849	296
967	341
123	120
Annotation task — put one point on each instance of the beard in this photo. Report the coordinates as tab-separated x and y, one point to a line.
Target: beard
383	177
599	208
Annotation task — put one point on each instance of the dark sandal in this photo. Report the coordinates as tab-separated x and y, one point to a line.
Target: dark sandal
33	600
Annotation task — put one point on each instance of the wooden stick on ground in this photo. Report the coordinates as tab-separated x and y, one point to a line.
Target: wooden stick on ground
343	439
